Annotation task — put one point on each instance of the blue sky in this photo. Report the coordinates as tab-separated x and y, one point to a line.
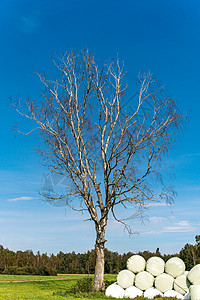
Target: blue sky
160	36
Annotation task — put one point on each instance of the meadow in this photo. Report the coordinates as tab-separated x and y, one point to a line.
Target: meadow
23	287
40	287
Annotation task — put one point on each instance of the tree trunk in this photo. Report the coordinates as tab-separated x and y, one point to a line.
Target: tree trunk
99	268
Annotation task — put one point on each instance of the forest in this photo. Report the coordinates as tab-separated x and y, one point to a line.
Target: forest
26	262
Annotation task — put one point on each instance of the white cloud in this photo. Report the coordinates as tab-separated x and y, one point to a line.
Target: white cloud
20	198
181	226
157	219
157	204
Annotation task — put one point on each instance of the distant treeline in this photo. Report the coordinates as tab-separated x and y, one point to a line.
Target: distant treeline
26	262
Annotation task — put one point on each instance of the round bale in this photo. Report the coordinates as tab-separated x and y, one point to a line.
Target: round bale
115	291
194	275
144	280
174	294
164	282
132	292
182	284
155	265
125	278
136	263
151	293
195	292
175	267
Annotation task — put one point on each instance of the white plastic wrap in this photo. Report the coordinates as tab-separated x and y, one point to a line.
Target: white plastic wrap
195	292
155	265
125	278
181	284
164	282
144	280
151	293
115	291
173	294
194	275
132	292
187	296
175	267
136	263
186	272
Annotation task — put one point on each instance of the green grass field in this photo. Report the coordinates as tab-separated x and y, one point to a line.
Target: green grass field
38	287
44	287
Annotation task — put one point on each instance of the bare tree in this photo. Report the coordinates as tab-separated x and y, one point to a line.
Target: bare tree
111	157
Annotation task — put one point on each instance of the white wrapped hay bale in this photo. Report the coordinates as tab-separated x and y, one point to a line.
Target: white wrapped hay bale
132	292
125	278
115	291
144	280
175	267
152	292
173	294
181	284
195	292
194	275
155	265
164	282
136	263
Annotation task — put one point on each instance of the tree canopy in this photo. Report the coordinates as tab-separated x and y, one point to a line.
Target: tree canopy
110	157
